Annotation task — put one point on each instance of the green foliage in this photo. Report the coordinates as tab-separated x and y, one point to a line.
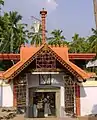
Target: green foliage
57	38
36	37
5	64
1	2
93	41
12	32
78	44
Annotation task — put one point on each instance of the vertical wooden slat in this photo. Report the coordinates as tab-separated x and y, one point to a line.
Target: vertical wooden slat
19	92
77	99
27	93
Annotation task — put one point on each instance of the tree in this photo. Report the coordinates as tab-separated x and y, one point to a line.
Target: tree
57	38
12	32
93	41
36	36
21	36
78	44
1	2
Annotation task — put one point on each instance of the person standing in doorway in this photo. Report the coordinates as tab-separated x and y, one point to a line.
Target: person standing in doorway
35	110
47	110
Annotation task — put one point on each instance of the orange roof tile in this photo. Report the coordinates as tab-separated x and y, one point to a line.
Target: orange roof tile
1	73
92	74
63	55
61	51
28	52
81	72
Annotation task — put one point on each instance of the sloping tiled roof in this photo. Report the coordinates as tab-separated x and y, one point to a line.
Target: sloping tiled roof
27	56
22	61
61	51
1	73
81	72
77	69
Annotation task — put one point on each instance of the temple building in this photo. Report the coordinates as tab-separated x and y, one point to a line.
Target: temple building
47	81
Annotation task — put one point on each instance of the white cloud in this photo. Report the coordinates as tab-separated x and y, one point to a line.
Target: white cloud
51	5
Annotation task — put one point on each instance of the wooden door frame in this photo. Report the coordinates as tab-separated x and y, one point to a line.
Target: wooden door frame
57	96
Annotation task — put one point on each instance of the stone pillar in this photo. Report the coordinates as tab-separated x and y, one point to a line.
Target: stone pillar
62	105
58	103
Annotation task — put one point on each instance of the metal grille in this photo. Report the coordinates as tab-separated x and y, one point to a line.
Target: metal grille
45	60
69	95
20	91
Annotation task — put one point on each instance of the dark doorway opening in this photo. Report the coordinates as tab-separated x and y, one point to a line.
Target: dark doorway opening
44	104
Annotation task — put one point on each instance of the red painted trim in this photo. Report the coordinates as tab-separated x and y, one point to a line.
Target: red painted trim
72	56
9	56
77	99
81	56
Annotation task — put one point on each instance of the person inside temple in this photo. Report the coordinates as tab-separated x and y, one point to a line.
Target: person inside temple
47	110
35	110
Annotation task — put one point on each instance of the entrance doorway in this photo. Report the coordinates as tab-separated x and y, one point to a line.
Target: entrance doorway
44	104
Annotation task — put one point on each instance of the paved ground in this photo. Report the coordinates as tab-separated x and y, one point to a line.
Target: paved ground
83	118
22	118
19	117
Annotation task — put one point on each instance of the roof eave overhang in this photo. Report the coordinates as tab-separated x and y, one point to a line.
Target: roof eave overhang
64	63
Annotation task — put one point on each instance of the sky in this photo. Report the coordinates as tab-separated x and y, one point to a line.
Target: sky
71	16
